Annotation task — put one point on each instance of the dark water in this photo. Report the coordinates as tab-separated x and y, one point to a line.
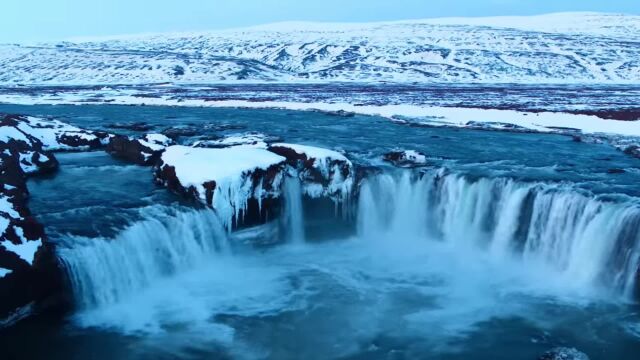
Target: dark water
347	298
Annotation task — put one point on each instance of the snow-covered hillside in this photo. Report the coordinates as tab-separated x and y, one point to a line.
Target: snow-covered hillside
556	48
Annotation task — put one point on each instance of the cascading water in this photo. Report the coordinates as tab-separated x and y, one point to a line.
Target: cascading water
103	271
433	250
587	241
294	213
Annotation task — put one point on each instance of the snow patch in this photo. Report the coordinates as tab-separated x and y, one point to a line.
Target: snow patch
155	142
230	168
256	140
7	207
26	251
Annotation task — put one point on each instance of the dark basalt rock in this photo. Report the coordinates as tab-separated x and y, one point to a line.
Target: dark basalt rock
166	175
31	287
562	353
181	131
365	172
305	164
225	127
632	114
27	285
78	141
138	151
406	159
137	126
254	214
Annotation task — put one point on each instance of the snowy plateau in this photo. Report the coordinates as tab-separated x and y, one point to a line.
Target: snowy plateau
555	48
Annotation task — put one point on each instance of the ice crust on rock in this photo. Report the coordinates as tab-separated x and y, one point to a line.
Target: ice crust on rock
226	178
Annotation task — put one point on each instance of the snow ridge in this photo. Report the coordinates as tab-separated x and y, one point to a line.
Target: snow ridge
555	48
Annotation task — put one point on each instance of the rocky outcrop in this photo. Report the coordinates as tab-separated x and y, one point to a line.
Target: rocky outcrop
136	126
224	179
143	151
406	158
233	173
21	236
253	139
28	269
177	132
55	135
324	173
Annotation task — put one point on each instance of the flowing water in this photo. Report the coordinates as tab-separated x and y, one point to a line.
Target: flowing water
294	212
502	248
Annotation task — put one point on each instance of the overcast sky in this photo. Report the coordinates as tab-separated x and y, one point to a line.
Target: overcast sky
40	20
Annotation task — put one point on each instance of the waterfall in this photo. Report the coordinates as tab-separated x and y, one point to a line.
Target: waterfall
392	206
584	239
293	212
103	271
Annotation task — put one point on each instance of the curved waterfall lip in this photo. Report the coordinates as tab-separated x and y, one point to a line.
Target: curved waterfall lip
589	243
166	242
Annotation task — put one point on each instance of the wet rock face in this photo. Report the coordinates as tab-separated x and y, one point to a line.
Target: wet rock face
564	354
143	151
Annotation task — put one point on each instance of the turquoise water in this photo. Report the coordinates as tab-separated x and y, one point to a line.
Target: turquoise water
398	290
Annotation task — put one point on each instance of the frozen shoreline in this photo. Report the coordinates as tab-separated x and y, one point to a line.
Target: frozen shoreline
548	122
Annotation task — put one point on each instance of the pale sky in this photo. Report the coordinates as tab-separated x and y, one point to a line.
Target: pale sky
44	20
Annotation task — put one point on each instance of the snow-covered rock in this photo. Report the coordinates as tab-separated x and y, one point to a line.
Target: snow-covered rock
556	48
27	265
58	136
21	154
19	147
324	173
406	158
257	140
224	178
144	151
242	169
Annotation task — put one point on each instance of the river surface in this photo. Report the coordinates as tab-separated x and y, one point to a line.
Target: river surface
505	246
